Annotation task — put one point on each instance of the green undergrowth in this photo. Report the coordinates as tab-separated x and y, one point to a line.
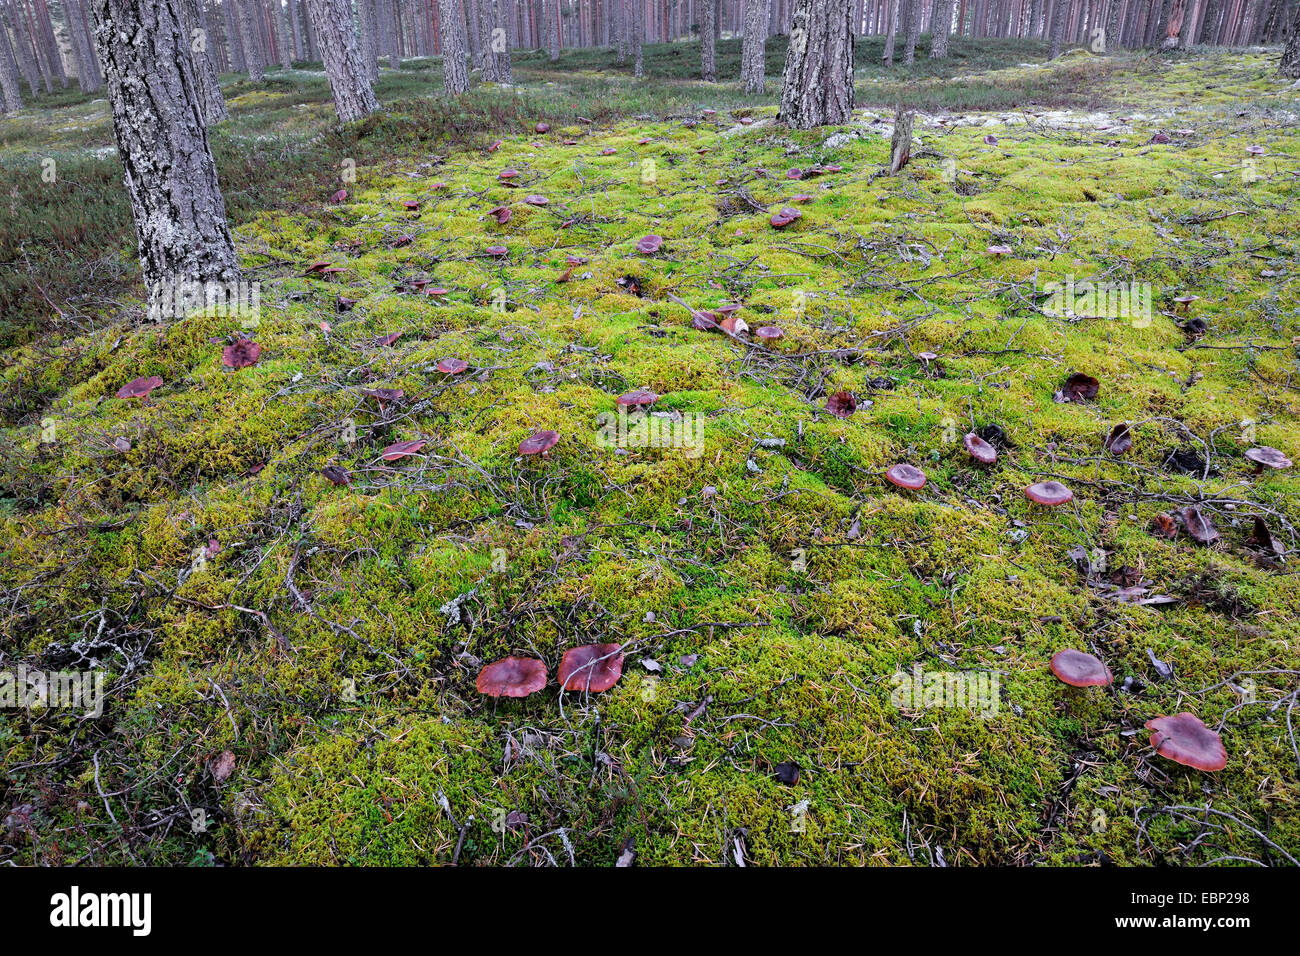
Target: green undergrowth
766	583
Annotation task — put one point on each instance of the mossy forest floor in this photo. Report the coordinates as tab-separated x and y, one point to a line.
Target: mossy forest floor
767	585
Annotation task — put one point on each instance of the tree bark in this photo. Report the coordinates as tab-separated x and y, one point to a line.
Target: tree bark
939	29
1290	65
451	31
170	175
332	22
817	84
551	28
494	45
212	105
249	39
10	97
708	24
637	40
915	10
753	54
1061	15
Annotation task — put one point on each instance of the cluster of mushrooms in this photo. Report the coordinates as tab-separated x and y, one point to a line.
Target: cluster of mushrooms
591	668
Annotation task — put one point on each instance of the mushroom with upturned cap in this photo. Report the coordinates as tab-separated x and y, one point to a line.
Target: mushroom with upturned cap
139	387
906	476
639	398
979	449
452	366
591	667
1184	738
539	443
1265	457
512	677
841	404
1079	669
1050	494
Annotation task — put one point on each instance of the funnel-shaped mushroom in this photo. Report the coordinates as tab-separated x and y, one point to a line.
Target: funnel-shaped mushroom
512	677
507	174
139	387
1079	669
649	244
979	449
241	354
1049	493
536	200
769	333
1119	440
501	214
1265	457
452	366
497	252
1184	739
1078	388
539	443
841	404
337	475
403	448
999	250
784	217
591	667
638	399
906	476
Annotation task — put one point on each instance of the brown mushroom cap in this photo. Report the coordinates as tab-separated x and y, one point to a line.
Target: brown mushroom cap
139	387
452	366
1079	669
1184	739
402	448
979	449
649	244
1199	525
1268	457
1049	493
906	476
1119	440
539	443
337	475
241	353
383	395
636	398
1078	388
841	404
769	332
784	217
512	677
591	667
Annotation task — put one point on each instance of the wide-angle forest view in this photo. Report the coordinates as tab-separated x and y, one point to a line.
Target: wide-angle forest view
649	432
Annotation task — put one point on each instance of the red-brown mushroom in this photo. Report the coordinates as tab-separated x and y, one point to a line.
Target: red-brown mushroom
1050	494
337	475
905	476
501	214
1199	525
841	404
1184	738
649	244
979	449
383	395
1265	457
512	677
1119	440
785	216
402	448
497	252
640	398
999	250
452	366
539	443
769	333
1079	669
536	200
139	387
1078	388
591	667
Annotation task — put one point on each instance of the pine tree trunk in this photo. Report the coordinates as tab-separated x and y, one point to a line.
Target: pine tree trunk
708	21
1290	65
331	20
939	29
891	31
212	105
451	31
915	10
551	11
637	40
494	45
45	25
1061	13
281	34
249	39
171	178
753	54
817	85
10	98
